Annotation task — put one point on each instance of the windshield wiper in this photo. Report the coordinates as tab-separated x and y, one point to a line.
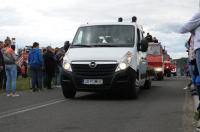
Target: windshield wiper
112	45
106	45
101	45
81	45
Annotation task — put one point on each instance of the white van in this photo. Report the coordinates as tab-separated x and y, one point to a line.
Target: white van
106	57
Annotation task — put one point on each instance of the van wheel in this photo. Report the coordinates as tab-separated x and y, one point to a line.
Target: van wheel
147	84
68	91
133	89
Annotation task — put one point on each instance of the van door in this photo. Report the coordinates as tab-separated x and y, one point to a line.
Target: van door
142	60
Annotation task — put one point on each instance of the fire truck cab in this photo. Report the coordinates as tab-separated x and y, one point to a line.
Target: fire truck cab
155	59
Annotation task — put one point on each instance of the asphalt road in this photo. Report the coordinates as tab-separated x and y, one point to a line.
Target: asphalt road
159	109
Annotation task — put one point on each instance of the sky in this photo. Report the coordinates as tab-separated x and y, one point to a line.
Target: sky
51	22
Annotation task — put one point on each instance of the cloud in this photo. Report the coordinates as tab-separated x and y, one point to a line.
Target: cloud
50	21
167	28
9	17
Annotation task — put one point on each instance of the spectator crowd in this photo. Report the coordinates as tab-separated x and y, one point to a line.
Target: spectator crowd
41	65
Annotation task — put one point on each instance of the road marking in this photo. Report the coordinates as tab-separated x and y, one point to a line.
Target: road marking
29	108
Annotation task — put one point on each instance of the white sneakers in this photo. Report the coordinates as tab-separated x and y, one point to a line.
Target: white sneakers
185	88
13	95
198	126
8	95
192	87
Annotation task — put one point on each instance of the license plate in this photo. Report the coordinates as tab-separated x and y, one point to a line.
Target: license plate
93	81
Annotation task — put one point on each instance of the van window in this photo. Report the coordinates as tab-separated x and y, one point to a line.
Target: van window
79	37
105	35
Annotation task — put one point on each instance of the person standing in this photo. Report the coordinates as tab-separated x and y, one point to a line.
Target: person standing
193	27
149	37
2	67
36	63
50	65
58	55
11	69
191	62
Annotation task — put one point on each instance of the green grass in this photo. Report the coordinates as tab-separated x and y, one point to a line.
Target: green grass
22	84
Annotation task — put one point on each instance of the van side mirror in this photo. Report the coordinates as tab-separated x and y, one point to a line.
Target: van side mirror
66	45
143	45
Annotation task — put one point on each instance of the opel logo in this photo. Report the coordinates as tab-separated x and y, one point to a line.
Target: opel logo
92	64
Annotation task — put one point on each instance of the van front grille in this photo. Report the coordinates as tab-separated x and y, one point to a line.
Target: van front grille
99	70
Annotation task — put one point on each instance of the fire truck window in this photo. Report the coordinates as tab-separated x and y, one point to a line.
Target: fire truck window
154	50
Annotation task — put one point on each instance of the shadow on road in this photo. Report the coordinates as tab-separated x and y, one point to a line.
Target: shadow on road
114	95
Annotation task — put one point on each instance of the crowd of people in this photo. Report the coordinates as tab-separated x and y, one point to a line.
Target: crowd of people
42	65
149	38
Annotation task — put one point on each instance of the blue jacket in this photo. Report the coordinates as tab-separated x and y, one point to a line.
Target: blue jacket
35	58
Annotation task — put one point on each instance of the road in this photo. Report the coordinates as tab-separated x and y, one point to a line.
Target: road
159	109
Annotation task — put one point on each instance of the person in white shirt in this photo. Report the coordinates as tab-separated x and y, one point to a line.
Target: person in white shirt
193	27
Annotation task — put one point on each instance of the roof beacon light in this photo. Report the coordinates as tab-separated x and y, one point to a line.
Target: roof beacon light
134	19
120	19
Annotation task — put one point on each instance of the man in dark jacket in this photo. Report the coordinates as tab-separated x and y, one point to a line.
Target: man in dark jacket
35	62
50	65
149	37
2	67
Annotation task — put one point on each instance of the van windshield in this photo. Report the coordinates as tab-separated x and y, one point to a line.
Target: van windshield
105	36
154	50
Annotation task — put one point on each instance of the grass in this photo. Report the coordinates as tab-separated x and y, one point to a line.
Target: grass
22	84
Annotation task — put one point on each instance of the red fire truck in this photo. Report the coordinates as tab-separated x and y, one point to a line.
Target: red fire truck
155	59
173	68
167	65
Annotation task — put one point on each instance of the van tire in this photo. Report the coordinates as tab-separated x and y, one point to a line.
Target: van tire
147	84
133	91
68	92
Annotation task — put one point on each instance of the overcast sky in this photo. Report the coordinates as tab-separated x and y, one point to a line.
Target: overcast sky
54	21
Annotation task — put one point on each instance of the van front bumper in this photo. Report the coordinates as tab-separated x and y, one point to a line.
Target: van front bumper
120	79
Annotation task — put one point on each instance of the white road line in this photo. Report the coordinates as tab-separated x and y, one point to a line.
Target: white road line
29	108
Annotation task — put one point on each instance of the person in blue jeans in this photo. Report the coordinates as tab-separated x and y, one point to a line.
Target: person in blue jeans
36	63
193	27
10	69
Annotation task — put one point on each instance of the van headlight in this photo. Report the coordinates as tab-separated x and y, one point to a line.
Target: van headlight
125	63
66	65
159	69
